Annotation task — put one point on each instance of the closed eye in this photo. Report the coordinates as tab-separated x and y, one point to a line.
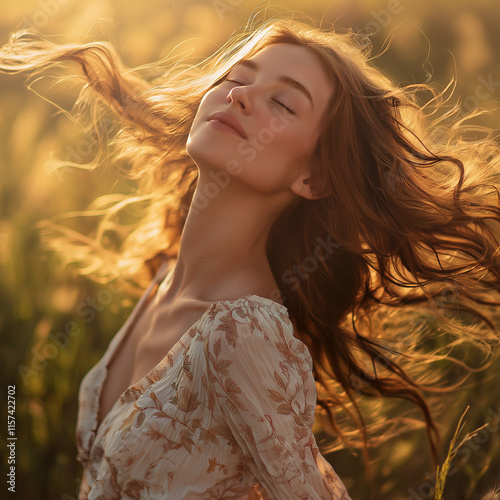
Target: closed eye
272	99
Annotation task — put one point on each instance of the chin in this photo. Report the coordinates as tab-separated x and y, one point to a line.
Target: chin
208	154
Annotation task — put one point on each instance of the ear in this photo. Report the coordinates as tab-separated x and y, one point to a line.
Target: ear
302	186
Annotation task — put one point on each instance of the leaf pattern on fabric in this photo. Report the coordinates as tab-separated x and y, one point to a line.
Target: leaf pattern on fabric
227	414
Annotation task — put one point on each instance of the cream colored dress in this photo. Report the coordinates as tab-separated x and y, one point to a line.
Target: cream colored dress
226	414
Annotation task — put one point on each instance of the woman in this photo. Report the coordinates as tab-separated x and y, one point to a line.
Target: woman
296	198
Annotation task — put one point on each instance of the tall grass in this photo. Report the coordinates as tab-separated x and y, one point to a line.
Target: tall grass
442	473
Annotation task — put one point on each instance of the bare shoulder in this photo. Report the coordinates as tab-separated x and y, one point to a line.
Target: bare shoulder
249	283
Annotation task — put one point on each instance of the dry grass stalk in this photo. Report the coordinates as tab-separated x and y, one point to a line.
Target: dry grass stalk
452	452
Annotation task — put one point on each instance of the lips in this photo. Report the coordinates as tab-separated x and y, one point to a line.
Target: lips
229	120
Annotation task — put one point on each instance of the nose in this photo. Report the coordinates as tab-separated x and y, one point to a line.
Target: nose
239	96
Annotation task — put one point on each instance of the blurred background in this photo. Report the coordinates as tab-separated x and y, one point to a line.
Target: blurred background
55	325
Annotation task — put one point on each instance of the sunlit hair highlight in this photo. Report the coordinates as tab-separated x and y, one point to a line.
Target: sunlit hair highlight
411	217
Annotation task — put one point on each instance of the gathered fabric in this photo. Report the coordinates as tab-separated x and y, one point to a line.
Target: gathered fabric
226	414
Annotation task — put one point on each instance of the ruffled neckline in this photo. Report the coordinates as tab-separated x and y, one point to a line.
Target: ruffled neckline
251	297
159	279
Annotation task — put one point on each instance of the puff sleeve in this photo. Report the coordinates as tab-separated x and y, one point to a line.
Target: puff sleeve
261	378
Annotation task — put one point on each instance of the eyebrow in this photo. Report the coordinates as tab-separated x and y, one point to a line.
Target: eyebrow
284	79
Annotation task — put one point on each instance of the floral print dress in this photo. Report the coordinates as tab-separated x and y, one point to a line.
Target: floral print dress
226	414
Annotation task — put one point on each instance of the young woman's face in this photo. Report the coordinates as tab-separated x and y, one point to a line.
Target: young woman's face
275	101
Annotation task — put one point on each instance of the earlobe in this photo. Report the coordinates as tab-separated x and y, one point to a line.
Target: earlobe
302	187
306	190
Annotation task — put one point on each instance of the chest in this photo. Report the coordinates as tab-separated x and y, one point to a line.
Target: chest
149	339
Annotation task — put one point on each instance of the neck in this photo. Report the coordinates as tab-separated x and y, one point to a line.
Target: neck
223	244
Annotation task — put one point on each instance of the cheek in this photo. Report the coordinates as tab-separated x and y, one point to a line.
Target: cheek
212	101
206	145
268	161
271	159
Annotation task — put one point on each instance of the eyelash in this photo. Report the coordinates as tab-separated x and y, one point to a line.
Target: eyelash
274	100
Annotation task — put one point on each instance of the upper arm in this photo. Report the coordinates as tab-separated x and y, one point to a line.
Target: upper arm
263	383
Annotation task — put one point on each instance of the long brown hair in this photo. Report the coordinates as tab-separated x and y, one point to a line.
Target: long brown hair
411	215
